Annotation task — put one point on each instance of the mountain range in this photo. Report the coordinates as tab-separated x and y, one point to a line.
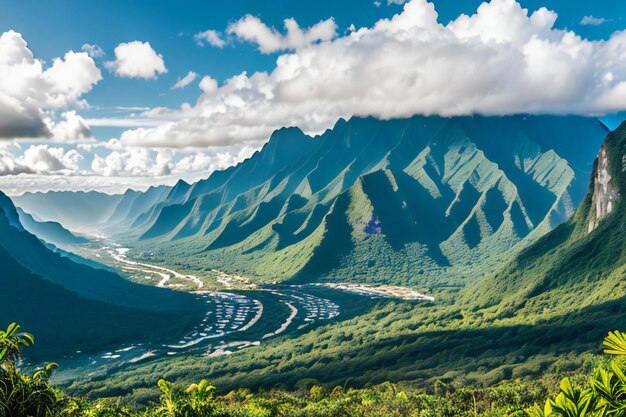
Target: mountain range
427	201
580	263
411	201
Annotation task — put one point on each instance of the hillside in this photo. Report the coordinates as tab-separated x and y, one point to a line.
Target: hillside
422	201
75	307
582	262
133	204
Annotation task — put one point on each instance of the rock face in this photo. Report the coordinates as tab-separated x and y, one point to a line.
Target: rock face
604	194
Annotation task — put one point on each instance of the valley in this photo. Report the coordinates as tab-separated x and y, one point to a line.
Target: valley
238	315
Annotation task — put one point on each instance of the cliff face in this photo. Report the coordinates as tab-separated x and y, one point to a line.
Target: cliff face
604	194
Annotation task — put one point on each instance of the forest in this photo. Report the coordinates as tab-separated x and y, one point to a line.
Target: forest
598	391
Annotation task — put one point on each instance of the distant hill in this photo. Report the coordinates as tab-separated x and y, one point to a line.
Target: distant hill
51	232
133	204
74	210
426	200
72	306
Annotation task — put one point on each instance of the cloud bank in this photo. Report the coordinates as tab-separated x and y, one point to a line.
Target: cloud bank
500	60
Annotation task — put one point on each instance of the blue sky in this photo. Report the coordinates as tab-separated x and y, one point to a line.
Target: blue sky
55	26
52	28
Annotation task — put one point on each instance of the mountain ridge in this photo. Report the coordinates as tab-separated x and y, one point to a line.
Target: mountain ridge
490	182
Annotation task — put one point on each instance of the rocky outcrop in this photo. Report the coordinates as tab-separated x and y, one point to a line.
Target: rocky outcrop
604	194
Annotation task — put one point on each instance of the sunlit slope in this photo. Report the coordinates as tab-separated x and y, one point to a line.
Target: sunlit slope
404	201
580	263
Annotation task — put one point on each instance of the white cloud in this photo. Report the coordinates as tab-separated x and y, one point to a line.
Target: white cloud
208	85
28	89
94	51
501	60
71	128
592	21
19	184
132	162
185	81
136	60
212	37
251	29
127	122
40	159
390	2
135	161
201	161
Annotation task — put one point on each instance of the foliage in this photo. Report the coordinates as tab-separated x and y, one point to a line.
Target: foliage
603	395
11	340
23	395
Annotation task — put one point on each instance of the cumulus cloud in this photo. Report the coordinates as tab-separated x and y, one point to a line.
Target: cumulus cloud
500	60
70	128
136	60
208	85
592	21
28	89
251	29
131	161
93	51
40	159
211	37
185	81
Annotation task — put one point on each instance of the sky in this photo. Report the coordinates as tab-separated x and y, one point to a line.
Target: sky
117	94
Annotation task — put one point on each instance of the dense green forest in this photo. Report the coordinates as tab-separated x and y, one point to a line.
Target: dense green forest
600	391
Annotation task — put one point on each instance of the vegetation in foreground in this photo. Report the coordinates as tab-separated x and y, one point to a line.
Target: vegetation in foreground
600	393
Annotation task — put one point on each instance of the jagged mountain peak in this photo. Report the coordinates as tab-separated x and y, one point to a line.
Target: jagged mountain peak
9	211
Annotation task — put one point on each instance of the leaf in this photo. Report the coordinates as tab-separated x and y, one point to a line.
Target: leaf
615	343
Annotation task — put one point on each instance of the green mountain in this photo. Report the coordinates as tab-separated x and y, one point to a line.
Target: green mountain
580	263
51	232
425	200
75	307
